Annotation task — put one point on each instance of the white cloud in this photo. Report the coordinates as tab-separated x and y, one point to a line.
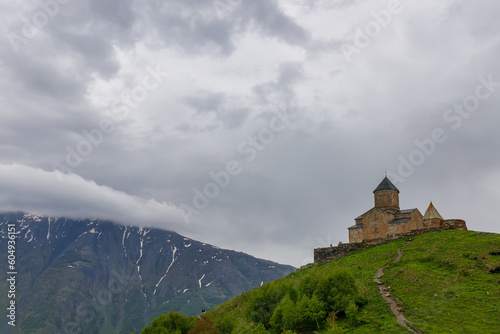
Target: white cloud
37	191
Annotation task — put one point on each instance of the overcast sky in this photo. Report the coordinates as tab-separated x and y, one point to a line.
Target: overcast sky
260	126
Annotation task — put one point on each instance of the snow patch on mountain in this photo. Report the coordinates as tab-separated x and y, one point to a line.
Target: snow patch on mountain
48	230
174	250
199	281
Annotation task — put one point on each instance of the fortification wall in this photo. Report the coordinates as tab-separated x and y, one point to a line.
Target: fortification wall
453	224
322	255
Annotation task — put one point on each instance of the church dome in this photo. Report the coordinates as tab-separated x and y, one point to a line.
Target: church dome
386	184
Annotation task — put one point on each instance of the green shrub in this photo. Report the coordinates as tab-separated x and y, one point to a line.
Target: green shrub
339	291
264	302
312	312
306	307
225	325
204	326
260	329
173	322
284	316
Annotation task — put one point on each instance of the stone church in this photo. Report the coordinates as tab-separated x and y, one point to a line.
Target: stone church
387	219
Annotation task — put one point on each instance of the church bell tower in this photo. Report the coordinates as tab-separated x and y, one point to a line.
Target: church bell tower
386	195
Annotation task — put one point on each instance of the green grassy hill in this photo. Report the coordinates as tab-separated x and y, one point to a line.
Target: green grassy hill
444	282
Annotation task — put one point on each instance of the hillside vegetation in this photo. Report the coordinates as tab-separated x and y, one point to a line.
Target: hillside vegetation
444	282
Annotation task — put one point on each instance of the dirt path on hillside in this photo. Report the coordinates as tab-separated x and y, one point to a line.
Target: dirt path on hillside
384	291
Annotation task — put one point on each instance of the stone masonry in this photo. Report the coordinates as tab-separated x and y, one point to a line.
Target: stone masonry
386	222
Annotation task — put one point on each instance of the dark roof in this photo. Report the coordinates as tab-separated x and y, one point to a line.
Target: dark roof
386	184
400	220
355	226
397	213
405	211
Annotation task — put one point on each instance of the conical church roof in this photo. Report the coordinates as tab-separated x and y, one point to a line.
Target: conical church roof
432	213
386	184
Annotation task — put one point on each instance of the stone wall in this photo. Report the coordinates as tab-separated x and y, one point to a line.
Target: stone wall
453	224
322	255
356	234
375	224
387	199
432	222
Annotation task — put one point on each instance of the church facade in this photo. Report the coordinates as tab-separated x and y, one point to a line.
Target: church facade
386	218
385	222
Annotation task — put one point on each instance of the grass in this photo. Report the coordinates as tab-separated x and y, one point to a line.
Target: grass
445	281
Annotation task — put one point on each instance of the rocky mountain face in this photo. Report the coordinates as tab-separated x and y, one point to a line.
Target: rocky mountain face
93	276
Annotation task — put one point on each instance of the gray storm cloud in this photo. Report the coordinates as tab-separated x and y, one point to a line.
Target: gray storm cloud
38	191
403	98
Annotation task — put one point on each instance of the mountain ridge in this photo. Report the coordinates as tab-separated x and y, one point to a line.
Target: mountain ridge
95	276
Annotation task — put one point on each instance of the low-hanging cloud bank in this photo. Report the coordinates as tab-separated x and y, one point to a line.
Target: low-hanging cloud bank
28	189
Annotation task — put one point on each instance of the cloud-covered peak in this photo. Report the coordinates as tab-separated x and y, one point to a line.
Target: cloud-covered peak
37	191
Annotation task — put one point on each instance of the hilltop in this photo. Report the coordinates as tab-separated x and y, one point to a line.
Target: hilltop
442	282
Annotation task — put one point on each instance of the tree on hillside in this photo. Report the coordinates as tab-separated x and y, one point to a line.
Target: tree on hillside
260	329
225	325
339	291
173	322
284	316
204	326
312	311
264	302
